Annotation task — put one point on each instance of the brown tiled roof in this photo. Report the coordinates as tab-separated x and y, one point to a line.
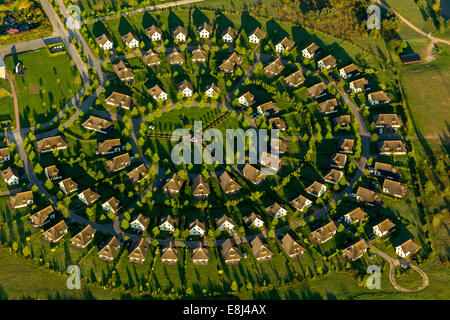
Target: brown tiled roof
178	30
151	58
231	62
347	145
317	89
127	38
252	174
200	253
338	160
386	167
200	186
287	43
250	98
52	171
185	84
325	232
97	123
140	253
51	143
143	220
4	152
390	119
367	195
205	26
259	249
69	185
273	209
108	145
199	54
90	195
333	176
351	68
155	91
102	39
250	219
123	71
231	31
111	250
385	226
357	214
329	61
174	183
229	251
118	162
8	173
392	146
314	188
278	123
355	251
57	231
171	220
84	237
275	67
117	99
150	31
175	57
299	202
170	252
291	247
214	87
295	79
39	218
227	183
269	106
360	83
394	188
328	106
198	223
138	173
259	33
379	96
21	198
222	220
312	48
343	120
114	204
410	246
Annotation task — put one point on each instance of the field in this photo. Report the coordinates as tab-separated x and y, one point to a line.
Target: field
48	84
6	101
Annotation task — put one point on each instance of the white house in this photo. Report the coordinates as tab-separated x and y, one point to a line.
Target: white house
157	93
186	89
205	31
225	223
130	40
384	228
168	224
111	205
247	99
229	34
180	33
285	44
197	228
276	211
212	90
256	36
328	62
10	176
253	220
311	51
105	42
317	189
407	249
154	33
140	223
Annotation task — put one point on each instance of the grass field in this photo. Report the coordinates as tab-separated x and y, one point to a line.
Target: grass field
6	102
48	84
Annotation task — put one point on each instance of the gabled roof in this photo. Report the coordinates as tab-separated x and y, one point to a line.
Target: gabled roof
395	188
355	251
227	183
386	167
199	54
39	218
102	39
230	31
174	183
295	79
278	123
118	162
223	219
51	143
273	209
113	203
312	48
8	173
200	186
155	91
343	120
150	31
143	220
275	67
97	123
69	185
170	220
347	145
351	68
122	70
333	176
4	152
385	226
111	250
170	252
328	106
259	249
367	195
90	195
197	223
379	96
21	198
200	253
317	89
117	99
127	38
108	145
185	85
229	64
290	246
250	219
338	160
259	33
269	106
84	237
392	146
390	119
140	252
299	202
315	188
250	98
410	246
329	61
178	30
252	174
151	58
325	232
138	173
57	231
360	83
229	251
287	43
213	86
205	26
175	57
357	214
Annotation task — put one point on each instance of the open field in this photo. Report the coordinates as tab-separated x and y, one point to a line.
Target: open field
6	102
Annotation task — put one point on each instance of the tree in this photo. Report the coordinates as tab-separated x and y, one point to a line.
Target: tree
26	251
124	225
234	286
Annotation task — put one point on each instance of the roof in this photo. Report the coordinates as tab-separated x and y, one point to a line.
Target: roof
230	63
315	188
339	160
367	195
386	167
150	31
273	209
21	198
97	123
214	87
269	106
39	218
205	26
119	99
52	171
113	203
220	221
229	251
4	152
178	30
317	89
174	183
170	220
259	33
57	231
287	43
143	220
200	186
295	79
312	48
102	39
140	252
274	67
351	68
108	145
410	246
230	31
151	57
259	249
69	185
51	143
250	98
170	252
410	58
325	232
343	120
138	173
175	57
200	253
122	70
355	251
328	106
392	146
290	246
360	83
299	202
395	188
199	54
357	214
128	37
8	173
155	91
90	195
197	223
252	174
333	176
185	84
347	145
112	248
118	162
278	123
227	183
83	237
388	119
250	219
385	226
379	96
329	61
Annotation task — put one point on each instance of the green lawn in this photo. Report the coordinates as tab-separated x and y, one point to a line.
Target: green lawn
7	103
48	84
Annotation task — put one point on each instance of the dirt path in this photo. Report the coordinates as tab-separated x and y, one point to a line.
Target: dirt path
14	96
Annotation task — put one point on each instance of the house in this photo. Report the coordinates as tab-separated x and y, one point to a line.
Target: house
247	99
140	223
154	33
224	223
292	248
357	215
268	108
140	252
311	51
88	197
109	146
253	220
395	189
205	30
200	255
379	97
68	186
168	223
317	90
333	176
329	106
360	85
229	64
98	124
11	176
55	233
252	174
105	42
199	55
316	189
130	40
284	44
197	228
157	93
20	200
407	249
329	62
368	196
349	71
123	71
229	34
118	163
42	217
278	123
120	100
390	120
384	228
138	174
230	253
301	203
274	68
355	251
270	161
176	58
324	233
338	160
391	147
346	146
83	238
173	185
260	250
200	187
5	155
51	143
111	205
385	170
278	145
276	211
169	255
180	33
256	36
109	252
342	121
295	79
186	88
151	59
228	184
212	90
